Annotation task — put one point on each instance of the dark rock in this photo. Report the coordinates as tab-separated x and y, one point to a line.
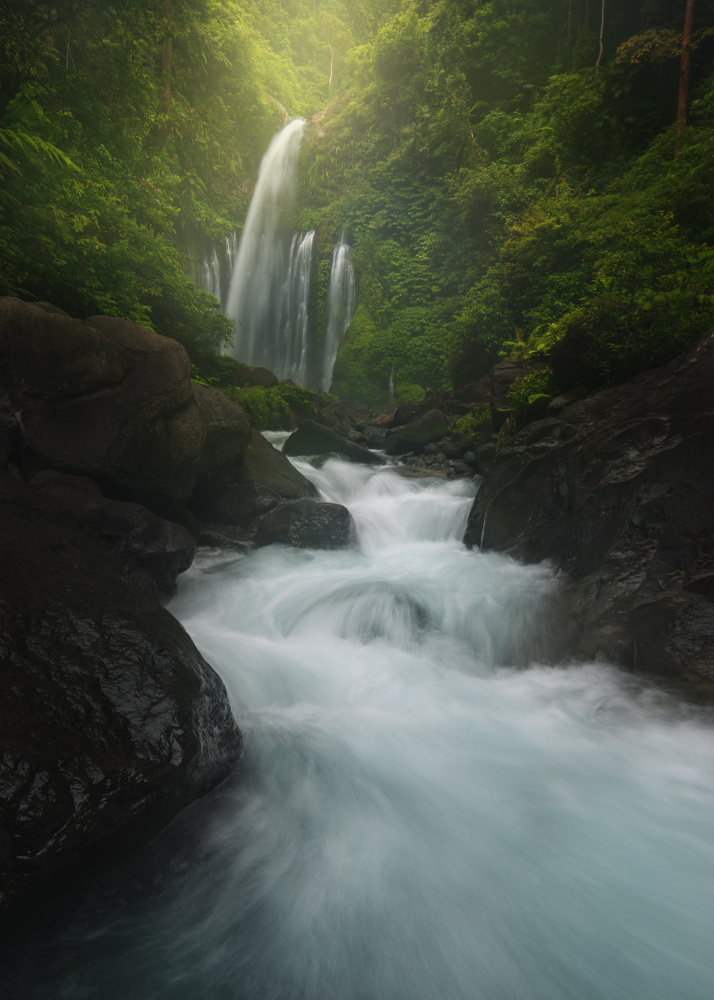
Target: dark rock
239	503
619	490
307	524
343	418
557	405
475	392
413	437
312	438
228	434
470	459
104	398
153	551
375	435
485	455
110	719
213	538
245	376
265	465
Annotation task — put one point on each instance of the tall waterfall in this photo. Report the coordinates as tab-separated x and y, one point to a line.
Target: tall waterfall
269	287
340	307
263	280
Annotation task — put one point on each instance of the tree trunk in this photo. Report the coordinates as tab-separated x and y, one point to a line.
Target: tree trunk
684	75
602	29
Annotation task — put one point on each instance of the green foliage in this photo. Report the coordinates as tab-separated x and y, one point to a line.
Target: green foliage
529	395
278	407
472	425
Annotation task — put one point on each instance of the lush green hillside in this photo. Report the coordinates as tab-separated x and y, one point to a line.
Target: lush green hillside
500	188
501	179
123	127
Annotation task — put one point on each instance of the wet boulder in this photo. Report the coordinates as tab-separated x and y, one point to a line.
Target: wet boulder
239	503
152	550
307	524
312	438
104	398
110	719
263	464
427	429
247	376
618	491
228	434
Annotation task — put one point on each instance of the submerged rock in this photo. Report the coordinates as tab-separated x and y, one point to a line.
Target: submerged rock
619	492
110	719
307	524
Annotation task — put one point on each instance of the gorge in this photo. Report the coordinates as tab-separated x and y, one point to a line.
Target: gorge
356	500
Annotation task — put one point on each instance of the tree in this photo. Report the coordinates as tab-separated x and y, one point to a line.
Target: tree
684	74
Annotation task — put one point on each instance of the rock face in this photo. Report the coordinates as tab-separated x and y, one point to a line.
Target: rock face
312	438
239	503
103	398
619	492
110	720
228	433
263	464
152	551
415	436
306	524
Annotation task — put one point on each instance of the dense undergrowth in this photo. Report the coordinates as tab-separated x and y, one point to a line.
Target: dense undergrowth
501	190
126	128
499	187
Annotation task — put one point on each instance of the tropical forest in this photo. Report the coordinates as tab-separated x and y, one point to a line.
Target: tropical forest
356	499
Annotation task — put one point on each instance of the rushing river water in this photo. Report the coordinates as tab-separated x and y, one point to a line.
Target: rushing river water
423	812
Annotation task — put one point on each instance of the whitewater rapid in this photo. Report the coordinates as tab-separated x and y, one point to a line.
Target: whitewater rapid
422	812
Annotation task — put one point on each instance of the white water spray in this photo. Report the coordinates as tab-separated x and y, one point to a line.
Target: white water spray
340	307
416	815
262	273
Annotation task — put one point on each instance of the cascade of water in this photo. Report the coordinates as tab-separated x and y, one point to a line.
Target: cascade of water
340	307
413	817
263	263
293	304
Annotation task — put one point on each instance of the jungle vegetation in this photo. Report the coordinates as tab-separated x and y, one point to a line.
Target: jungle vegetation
506	171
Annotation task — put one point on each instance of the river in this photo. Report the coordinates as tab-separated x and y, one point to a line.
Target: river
422	811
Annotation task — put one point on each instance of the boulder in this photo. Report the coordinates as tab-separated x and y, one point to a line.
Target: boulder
312	438
103	398
228	434
619	492
415	436
239	503
343	418
110	719
152	551
245	375
262	464
307	524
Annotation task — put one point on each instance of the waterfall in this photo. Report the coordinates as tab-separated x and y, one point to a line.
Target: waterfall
293	303
270	283
212	272
263	280
340	307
